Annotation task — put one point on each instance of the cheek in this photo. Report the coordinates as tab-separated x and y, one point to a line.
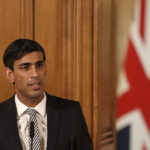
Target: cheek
19	79
43	74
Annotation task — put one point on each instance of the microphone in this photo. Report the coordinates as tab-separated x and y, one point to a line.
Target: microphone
31	129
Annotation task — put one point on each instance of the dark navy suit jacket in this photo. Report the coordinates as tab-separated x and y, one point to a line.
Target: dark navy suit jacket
67	129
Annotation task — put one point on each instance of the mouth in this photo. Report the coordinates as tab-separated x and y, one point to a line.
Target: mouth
35	85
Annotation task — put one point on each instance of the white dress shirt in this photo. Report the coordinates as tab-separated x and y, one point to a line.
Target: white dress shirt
22	122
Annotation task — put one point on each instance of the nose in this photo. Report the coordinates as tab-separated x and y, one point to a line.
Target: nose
34	71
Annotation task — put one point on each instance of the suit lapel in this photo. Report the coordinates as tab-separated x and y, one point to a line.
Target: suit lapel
13	129
53	118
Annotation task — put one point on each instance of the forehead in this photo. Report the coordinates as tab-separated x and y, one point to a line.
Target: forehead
30	58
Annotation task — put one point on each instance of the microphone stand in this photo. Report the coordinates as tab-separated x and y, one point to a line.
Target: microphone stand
73	143
31	133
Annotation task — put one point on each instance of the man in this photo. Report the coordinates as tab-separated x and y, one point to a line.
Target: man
32	119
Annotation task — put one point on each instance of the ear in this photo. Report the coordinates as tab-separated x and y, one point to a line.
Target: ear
9	74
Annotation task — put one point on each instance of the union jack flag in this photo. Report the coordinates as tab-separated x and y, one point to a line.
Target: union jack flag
133	104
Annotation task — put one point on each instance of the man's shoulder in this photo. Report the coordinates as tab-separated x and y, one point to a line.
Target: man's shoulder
6	103
62	103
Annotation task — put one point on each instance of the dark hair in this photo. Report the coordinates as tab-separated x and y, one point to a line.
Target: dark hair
19	48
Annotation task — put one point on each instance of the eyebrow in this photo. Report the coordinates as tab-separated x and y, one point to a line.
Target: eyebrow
28	63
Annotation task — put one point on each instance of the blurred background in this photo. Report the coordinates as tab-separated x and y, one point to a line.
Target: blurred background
97	54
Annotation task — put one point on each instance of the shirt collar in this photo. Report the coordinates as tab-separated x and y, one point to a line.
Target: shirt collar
40	108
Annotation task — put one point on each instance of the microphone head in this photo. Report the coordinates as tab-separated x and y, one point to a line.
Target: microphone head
73	143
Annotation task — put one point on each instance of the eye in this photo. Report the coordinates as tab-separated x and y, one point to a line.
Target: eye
40	64
24	67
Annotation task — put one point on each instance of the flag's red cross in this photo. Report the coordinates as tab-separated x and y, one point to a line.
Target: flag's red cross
138	96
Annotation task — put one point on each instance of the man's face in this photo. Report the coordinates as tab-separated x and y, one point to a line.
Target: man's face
28	76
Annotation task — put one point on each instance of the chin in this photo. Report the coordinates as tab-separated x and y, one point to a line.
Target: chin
36	95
